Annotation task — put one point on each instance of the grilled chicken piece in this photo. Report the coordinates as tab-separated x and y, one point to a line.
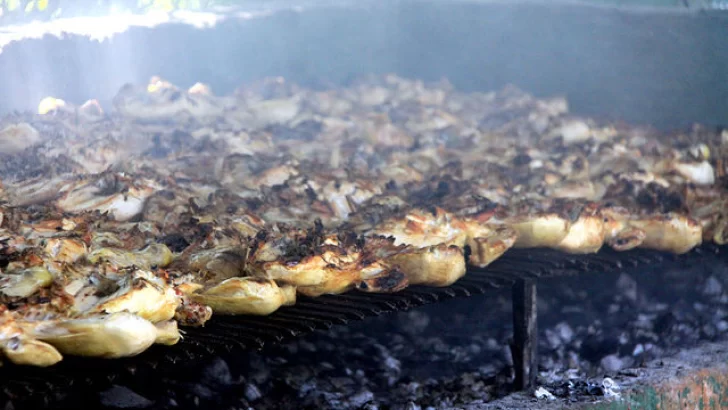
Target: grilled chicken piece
709	206
657	209
191	313
17	137
142	294
20	348
152	256
62	251
52	105
167	333
437	239
620	234
488	241
437	265
318	263
421	228
300	258
378	278
128	290
218	264
161	101
672	232
25	282
539	229
114	335
246	296
375	271
371	269
117	194
587	233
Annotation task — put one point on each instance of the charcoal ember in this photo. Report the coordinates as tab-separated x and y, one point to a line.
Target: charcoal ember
307	388
360	399
197	390
612	363
553	339
665	323
722	326
595	389
120	397
415	322
565	332
252	393
561	390
175	242
170	402
712	286
217	374
627	286
709	331
595	347
412	406
339	383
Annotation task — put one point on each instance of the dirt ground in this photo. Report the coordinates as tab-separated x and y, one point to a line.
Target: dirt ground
707	358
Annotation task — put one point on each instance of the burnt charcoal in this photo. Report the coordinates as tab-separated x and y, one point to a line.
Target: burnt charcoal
198	390
565	332
175	242
722	326
412	406
361	399
561	335
594	347
612	363
252	393
217	374
120	397
595	389
709	331
665	323
521	160
627	286
712	287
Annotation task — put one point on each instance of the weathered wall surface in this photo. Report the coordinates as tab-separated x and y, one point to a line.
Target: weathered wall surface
668	69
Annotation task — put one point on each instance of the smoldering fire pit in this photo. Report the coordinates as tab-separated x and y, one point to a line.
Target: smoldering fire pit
603	336
608	330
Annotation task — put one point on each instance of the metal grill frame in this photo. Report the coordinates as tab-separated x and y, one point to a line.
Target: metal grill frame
520	269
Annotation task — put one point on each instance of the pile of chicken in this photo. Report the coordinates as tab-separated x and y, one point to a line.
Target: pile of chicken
118	227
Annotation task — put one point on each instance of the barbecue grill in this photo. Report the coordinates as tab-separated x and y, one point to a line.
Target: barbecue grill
520	270
665	67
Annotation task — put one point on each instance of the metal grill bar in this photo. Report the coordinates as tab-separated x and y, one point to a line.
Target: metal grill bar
226	334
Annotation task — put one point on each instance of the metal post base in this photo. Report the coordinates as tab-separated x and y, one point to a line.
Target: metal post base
525	333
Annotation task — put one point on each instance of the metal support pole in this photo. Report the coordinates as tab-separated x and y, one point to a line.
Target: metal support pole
525	333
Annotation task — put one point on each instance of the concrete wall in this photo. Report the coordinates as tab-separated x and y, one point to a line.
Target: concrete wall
663	68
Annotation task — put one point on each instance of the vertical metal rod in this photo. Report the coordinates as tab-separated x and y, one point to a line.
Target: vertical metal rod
525	333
